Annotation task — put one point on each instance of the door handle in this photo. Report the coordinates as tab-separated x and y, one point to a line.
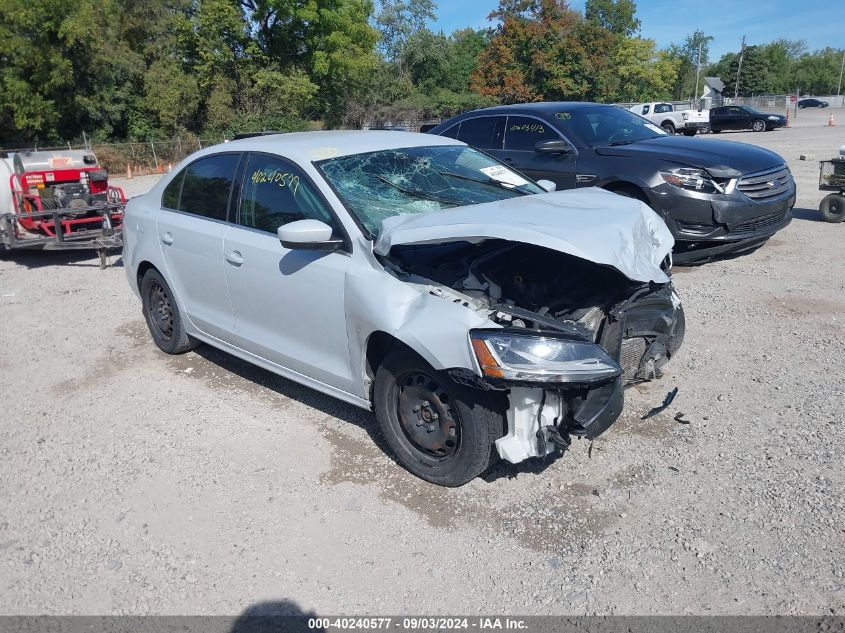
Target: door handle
235	258
167	238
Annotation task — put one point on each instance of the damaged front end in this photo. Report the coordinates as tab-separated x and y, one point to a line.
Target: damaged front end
566	334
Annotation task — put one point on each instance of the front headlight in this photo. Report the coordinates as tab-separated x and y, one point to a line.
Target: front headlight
541	358
692	179
774	118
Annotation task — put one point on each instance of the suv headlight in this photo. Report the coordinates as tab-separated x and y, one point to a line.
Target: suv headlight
692	179
546	358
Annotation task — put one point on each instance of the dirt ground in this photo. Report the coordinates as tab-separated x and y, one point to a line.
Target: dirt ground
133	482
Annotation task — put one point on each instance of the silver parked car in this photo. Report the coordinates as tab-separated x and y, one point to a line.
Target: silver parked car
479	314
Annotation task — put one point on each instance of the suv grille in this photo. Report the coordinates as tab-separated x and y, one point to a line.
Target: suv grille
758	224
765	184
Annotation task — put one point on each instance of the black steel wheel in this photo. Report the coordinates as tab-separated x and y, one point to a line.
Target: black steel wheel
162	315
425	415
437	429
833	208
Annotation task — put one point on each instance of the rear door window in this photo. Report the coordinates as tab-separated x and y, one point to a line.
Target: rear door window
275	192
208	185
646	109
483	132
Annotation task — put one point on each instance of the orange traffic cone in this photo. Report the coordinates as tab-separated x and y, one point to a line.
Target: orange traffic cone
128	171
159	168
831	122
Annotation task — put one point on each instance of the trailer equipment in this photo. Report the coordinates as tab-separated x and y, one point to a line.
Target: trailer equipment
59	200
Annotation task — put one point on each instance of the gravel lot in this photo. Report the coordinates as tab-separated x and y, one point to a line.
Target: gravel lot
133	482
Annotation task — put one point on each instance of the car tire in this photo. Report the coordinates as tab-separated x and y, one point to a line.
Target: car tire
668	128
714	130
438	430
833	208
690	132
162	315
758	125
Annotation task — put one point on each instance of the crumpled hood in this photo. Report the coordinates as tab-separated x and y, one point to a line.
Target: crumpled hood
723	159
593	224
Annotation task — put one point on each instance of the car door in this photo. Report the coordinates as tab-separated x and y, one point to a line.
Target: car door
738	118
522	133
288	304
191	241
717	118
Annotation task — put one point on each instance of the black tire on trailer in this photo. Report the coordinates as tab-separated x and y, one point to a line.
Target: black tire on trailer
758	125
438	430
162	315
833	208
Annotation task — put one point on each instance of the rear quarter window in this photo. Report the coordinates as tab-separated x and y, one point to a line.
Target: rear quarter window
170	197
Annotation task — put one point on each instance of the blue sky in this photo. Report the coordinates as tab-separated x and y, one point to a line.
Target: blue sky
819	22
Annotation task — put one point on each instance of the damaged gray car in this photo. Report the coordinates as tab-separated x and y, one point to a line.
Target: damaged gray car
479	314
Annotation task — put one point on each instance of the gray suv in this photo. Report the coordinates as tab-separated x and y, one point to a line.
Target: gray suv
716	197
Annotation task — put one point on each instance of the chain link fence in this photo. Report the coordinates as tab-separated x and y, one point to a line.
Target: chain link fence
140	158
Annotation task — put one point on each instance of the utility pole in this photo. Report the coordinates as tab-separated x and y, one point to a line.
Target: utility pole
739	68
841	68
697	70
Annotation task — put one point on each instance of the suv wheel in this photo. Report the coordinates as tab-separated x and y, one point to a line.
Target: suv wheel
758	125
668	128
437	429
162	315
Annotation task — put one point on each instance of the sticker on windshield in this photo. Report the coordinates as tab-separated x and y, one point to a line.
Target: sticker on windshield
503	174
563	116
654	128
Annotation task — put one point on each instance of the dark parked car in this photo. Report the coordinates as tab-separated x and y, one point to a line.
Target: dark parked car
715	197
812	103
743	118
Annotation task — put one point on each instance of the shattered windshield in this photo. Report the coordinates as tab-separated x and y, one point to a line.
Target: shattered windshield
382	184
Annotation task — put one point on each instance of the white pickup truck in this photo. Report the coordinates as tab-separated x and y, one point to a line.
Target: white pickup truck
664	115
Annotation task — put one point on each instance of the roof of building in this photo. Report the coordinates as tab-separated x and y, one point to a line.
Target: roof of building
714	83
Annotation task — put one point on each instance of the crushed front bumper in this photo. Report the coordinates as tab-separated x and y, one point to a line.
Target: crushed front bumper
642	334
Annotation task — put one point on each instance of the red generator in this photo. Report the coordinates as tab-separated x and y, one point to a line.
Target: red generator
59	200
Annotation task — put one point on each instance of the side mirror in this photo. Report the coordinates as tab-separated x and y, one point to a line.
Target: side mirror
557	146
308	235
548	185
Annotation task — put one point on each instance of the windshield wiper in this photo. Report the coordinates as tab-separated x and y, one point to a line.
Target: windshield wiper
490	181
617	143
416	193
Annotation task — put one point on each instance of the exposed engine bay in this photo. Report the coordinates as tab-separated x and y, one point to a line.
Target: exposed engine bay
524	286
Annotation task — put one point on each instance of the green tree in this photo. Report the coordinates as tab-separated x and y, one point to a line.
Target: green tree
398	20
644	73
617	16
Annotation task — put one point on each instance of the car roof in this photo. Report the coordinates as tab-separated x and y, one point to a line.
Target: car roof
305	147
544	107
